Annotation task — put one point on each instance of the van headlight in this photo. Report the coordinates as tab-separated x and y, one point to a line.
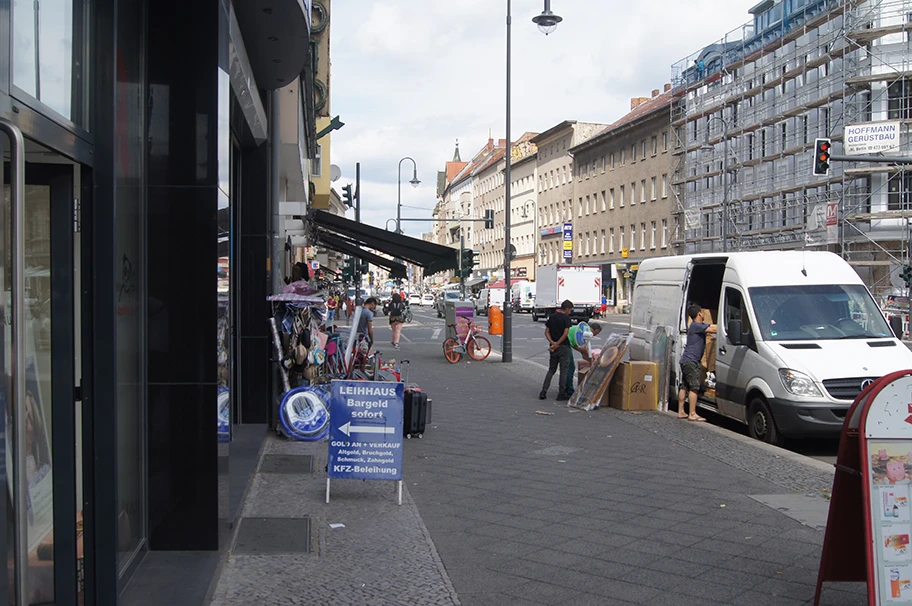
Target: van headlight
798	383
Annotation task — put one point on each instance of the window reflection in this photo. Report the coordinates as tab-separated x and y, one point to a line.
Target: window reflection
44	69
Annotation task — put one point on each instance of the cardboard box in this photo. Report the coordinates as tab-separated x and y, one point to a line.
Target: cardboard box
634	386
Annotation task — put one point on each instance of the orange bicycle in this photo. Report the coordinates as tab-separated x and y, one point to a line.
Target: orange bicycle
472	343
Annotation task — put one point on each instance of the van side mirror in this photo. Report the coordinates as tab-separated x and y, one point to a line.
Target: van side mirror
734	332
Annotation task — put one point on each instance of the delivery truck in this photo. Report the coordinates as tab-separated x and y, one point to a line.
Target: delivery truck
580	284
799	336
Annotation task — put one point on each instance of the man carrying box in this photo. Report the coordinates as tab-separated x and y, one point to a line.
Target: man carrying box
690	362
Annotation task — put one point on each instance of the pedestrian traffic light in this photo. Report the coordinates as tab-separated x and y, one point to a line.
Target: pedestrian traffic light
906	275
822	153
347	197
489	219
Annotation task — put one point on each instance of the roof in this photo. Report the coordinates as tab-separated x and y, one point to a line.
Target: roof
640	112
490	161
552	131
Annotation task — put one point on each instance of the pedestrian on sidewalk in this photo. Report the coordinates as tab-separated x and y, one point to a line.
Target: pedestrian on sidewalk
557	328
366	321
331	305
583	348
690	362
396	317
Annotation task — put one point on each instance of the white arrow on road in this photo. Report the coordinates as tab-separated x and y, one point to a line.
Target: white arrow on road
349	429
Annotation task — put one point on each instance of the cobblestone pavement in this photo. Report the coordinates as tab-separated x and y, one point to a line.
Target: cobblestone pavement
504	505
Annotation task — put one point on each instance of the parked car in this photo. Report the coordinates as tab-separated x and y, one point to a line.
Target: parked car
449	295
427	300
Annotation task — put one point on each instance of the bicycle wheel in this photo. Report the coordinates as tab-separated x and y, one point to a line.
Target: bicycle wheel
450	352
408	316
479	348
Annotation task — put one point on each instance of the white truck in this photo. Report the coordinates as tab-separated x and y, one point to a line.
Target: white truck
581	284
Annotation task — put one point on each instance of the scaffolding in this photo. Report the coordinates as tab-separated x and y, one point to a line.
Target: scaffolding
747	109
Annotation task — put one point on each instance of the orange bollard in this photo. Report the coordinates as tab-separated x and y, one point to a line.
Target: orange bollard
495	320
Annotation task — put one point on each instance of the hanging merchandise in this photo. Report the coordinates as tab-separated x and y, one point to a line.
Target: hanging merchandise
224	414
304	414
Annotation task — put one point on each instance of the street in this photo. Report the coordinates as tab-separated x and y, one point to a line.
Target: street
529	345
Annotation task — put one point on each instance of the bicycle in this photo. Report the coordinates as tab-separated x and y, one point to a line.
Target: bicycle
407	316
472	343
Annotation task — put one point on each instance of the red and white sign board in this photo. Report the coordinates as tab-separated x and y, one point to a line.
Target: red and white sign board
870	514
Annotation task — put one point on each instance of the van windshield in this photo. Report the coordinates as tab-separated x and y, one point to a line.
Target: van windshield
820	312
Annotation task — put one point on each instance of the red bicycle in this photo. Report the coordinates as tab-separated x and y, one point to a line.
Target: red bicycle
472	343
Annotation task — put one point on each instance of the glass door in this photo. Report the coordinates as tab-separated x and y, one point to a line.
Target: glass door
42	530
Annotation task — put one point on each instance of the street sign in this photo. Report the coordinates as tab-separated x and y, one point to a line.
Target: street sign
871	138
365	432
568	241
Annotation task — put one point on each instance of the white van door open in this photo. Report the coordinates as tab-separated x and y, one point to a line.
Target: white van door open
730	358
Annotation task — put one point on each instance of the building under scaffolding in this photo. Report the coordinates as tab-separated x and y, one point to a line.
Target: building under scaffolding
745	115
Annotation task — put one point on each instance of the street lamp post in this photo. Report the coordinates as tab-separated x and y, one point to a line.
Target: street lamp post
546	22
707	146
414	183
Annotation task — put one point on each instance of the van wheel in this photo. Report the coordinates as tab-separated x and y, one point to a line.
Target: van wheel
760	423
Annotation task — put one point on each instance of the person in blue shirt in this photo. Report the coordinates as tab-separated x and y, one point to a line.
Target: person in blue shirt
690	362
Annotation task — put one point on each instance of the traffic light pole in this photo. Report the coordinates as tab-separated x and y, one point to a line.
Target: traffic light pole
357	220
461	273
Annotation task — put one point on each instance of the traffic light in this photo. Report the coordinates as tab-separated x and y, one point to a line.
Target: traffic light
348	270
906	275
347	197
363	267
467	262
822	151
489	219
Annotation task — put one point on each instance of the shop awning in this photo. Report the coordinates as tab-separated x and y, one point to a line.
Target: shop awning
432	257
475	281
327	240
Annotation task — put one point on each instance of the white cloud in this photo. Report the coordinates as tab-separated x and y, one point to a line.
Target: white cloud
410	77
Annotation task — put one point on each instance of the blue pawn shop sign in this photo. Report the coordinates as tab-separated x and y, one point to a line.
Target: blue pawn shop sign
365	432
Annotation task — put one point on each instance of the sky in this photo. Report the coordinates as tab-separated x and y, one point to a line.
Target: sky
410	77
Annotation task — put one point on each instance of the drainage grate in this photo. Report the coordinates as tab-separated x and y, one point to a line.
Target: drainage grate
257	536
287	464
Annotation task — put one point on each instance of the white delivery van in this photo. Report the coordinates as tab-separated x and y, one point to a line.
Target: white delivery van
581	284
523	296
799	335
488	297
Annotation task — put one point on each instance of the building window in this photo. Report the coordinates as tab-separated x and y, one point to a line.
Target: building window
642	190
564	176
665	186
655	146
594	170
653	190
316	165
665	141
643	145
664	233
588	207
579	173
633	153
611	240
612	160
652	236
622	196
611	198
623	156
899	100
899	192
633	194
581	206
579	245
621	238
603	241
633	237
604	164
642	236
604	203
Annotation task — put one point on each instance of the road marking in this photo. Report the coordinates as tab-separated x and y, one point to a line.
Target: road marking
436	334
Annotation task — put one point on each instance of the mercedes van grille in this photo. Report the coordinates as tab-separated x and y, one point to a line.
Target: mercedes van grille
846	389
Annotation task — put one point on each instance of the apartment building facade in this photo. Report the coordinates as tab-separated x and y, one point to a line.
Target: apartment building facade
489	194
621	204
554	183
523	209
747	110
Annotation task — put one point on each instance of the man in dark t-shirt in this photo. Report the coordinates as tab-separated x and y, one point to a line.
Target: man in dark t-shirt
690	362
557	329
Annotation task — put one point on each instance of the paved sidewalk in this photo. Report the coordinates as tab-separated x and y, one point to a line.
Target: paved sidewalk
506	506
